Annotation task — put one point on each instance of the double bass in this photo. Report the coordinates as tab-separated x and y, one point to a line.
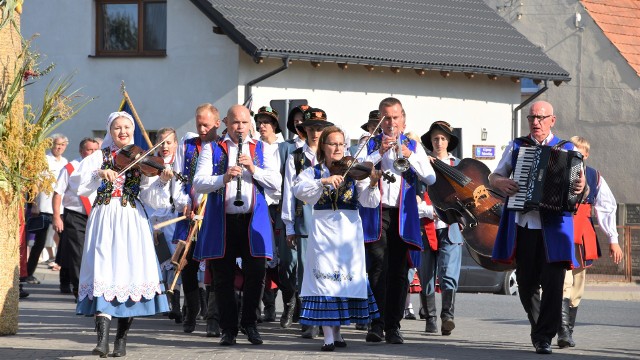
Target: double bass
461	195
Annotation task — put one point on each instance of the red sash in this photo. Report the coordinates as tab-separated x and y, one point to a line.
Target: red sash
584	233
429	227
85	200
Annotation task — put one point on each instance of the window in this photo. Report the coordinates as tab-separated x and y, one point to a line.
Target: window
131	27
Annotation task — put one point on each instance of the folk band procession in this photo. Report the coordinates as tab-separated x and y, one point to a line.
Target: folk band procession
211	226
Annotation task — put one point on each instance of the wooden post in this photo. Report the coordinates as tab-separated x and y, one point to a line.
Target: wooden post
135	116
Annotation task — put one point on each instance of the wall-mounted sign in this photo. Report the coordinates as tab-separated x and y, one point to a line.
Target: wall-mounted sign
484	152
633	214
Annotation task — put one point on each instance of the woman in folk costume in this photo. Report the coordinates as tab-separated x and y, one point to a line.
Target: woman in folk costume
120	274
335	290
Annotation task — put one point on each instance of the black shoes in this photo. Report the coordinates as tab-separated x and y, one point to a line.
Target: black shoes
361	326
394	337
328	347
23	293
31	280
227	339
374	334
447	326
543	347
213	328
340	344
253	335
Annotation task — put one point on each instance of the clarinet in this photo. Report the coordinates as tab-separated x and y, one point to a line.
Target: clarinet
238	201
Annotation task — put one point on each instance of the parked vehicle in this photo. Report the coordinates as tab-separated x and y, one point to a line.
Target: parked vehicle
474	278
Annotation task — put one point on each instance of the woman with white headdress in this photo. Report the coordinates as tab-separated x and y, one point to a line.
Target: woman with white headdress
120	274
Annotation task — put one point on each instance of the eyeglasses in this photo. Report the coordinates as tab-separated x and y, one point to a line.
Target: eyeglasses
335	144
540	118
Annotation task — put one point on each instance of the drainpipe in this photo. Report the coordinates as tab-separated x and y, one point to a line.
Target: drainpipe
514	116
247	87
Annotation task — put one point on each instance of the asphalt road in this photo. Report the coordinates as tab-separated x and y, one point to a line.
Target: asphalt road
487	327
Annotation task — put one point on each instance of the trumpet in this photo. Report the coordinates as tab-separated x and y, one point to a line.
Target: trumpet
400	164
238	201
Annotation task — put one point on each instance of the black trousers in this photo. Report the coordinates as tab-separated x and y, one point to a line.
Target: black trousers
223	271
534	273
38	245
189	273
70	247
387	267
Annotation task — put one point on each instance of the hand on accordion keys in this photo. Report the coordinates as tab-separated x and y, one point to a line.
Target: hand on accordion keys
579	184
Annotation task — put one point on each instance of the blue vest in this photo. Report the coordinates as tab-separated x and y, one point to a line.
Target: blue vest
346	198
409	228
211	242
302	211
593	181
189	166
557	229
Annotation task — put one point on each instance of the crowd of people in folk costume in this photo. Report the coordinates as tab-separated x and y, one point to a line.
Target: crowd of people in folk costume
290	215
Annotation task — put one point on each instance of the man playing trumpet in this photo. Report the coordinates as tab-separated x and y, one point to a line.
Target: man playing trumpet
392	232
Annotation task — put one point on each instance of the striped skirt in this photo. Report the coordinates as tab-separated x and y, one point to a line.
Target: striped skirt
334	311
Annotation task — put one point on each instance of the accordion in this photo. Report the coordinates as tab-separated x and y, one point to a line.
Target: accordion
545	177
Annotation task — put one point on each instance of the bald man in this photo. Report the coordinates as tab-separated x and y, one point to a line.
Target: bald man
235	174
541	243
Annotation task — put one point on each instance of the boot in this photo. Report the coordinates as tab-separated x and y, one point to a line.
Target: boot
175	312
296	311
213	317
573	311
203	303
269	301
120	345
192	299
102	328
431	325
289	307
446	314
564	334
422	313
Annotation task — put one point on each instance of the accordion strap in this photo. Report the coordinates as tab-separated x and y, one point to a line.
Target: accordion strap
527	140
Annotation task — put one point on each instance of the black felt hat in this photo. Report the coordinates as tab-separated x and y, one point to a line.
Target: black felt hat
374	117
314	117
298	109
444	127
270	112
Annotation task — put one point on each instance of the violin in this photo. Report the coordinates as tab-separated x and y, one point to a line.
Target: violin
149	165
348	166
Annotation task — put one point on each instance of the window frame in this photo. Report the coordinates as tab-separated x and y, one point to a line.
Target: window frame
140	52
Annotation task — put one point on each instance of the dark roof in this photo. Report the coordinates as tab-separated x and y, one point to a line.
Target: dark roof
446	35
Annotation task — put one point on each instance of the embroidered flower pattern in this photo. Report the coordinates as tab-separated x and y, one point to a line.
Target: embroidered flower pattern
335	275
129	185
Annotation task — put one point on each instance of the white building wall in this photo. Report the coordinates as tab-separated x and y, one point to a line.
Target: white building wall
348	95
200	66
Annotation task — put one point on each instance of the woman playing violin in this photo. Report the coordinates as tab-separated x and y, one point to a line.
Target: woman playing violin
119	275
335	289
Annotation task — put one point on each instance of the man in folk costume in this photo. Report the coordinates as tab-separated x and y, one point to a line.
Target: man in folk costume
186	199
442	255
72	224
600	200
235	173
540	242
393	228
288	268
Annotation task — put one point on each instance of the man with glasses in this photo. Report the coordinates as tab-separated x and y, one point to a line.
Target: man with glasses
541	243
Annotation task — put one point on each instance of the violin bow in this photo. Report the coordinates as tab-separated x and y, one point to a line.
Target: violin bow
362	147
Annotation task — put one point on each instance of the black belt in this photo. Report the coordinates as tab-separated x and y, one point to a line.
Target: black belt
67	210
390	209
239	216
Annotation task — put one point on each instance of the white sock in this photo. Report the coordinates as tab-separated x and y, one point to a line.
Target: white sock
328	334
105	315
408	305
336	333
